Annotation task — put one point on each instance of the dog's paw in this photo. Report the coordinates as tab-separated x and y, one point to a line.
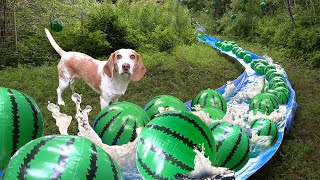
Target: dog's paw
61	103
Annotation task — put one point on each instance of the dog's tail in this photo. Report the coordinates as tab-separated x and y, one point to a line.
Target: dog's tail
53	43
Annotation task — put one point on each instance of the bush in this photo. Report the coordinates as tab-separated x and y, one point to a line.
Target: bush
103	19
159	26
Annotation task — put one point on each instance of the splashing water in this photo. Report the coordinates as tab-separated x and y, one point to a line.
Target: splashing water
124	154
62	120
259	144
204	170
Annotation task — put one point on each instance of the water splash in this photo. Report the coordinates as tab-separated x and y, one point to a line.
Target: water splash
124	154
276	116
259	144
204	170
230	90
202	115
62	120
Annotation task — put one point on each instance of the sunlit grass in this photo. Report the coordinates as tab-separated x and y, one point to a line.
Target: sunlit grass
182	73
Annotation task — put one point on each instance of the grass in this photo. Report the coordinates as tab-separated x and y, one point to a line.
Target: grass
183	73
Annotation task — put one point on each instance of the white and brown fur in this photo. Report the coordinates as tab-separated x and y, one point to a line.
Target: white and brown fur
108	78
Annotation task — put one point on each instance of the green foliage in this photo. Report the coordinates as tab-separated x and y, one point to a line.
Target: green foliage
195	5
214	8
270	26
156	26
104	19
98	29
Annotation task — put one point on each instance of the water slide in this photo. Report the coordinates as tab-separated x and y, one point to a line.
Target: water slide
241	83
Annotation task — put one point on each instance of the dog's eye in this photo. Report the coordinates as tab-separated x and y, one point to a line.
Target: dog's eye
132	56
119	56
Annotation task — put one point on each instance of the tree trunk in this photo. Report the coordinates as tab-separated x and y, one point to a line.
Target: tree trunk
3	19
288	5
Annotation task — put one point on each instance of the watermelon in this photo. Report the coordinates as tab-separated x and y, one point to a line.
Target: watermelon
264	102
218	44
210	98
165	149
253	64
241	54
62	157
270	67
56	25
270	71
263	5
117	123
238	51
20	122
164	101
282	93
235	49
232	145
260	68
247	58
214	113
277	79
265	127
272	74
274	84
263	62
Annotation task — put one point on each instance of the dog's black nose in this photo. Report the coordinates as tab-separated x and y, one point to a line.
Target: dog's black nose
126	66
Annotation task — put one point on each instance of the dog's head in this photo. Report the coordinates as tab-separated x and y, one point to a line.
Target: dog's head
125	62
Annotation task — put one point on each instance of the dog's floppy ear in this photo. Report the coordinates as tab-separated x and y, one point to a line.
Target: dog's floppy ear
139	70
109	67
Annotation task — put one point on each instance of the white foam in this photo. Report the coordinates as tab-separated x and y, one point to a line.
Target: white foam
124	154
203	167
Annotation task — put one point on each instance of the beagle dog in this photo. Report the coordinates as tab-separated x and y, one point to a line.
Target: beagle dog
109	78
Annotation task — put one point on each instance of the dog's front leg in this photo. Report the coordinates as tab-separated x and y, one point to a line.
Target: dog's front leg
115	99
103	102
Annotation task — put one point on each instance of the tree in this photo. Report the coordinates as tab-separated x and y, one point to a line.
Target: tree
288	5
3	19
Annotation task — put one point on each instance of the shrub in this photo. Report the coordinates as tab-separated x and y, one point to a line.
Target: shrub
159	26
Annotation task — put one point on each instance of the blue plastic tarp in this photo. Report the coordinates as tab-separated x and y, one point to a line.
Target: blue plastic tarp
256	163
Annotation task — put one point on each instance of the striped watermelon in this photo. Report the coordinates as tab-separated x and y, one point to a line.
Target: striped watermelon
218	44
272	74
279	84
264	102
270	67
62	157
269	72
232	145
273	85
241	54
253	64
235	49
210	98
263	62
214	113
166	144
247	58
116	124
20	122
277	79
260	68
165	101
282	93
265	127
